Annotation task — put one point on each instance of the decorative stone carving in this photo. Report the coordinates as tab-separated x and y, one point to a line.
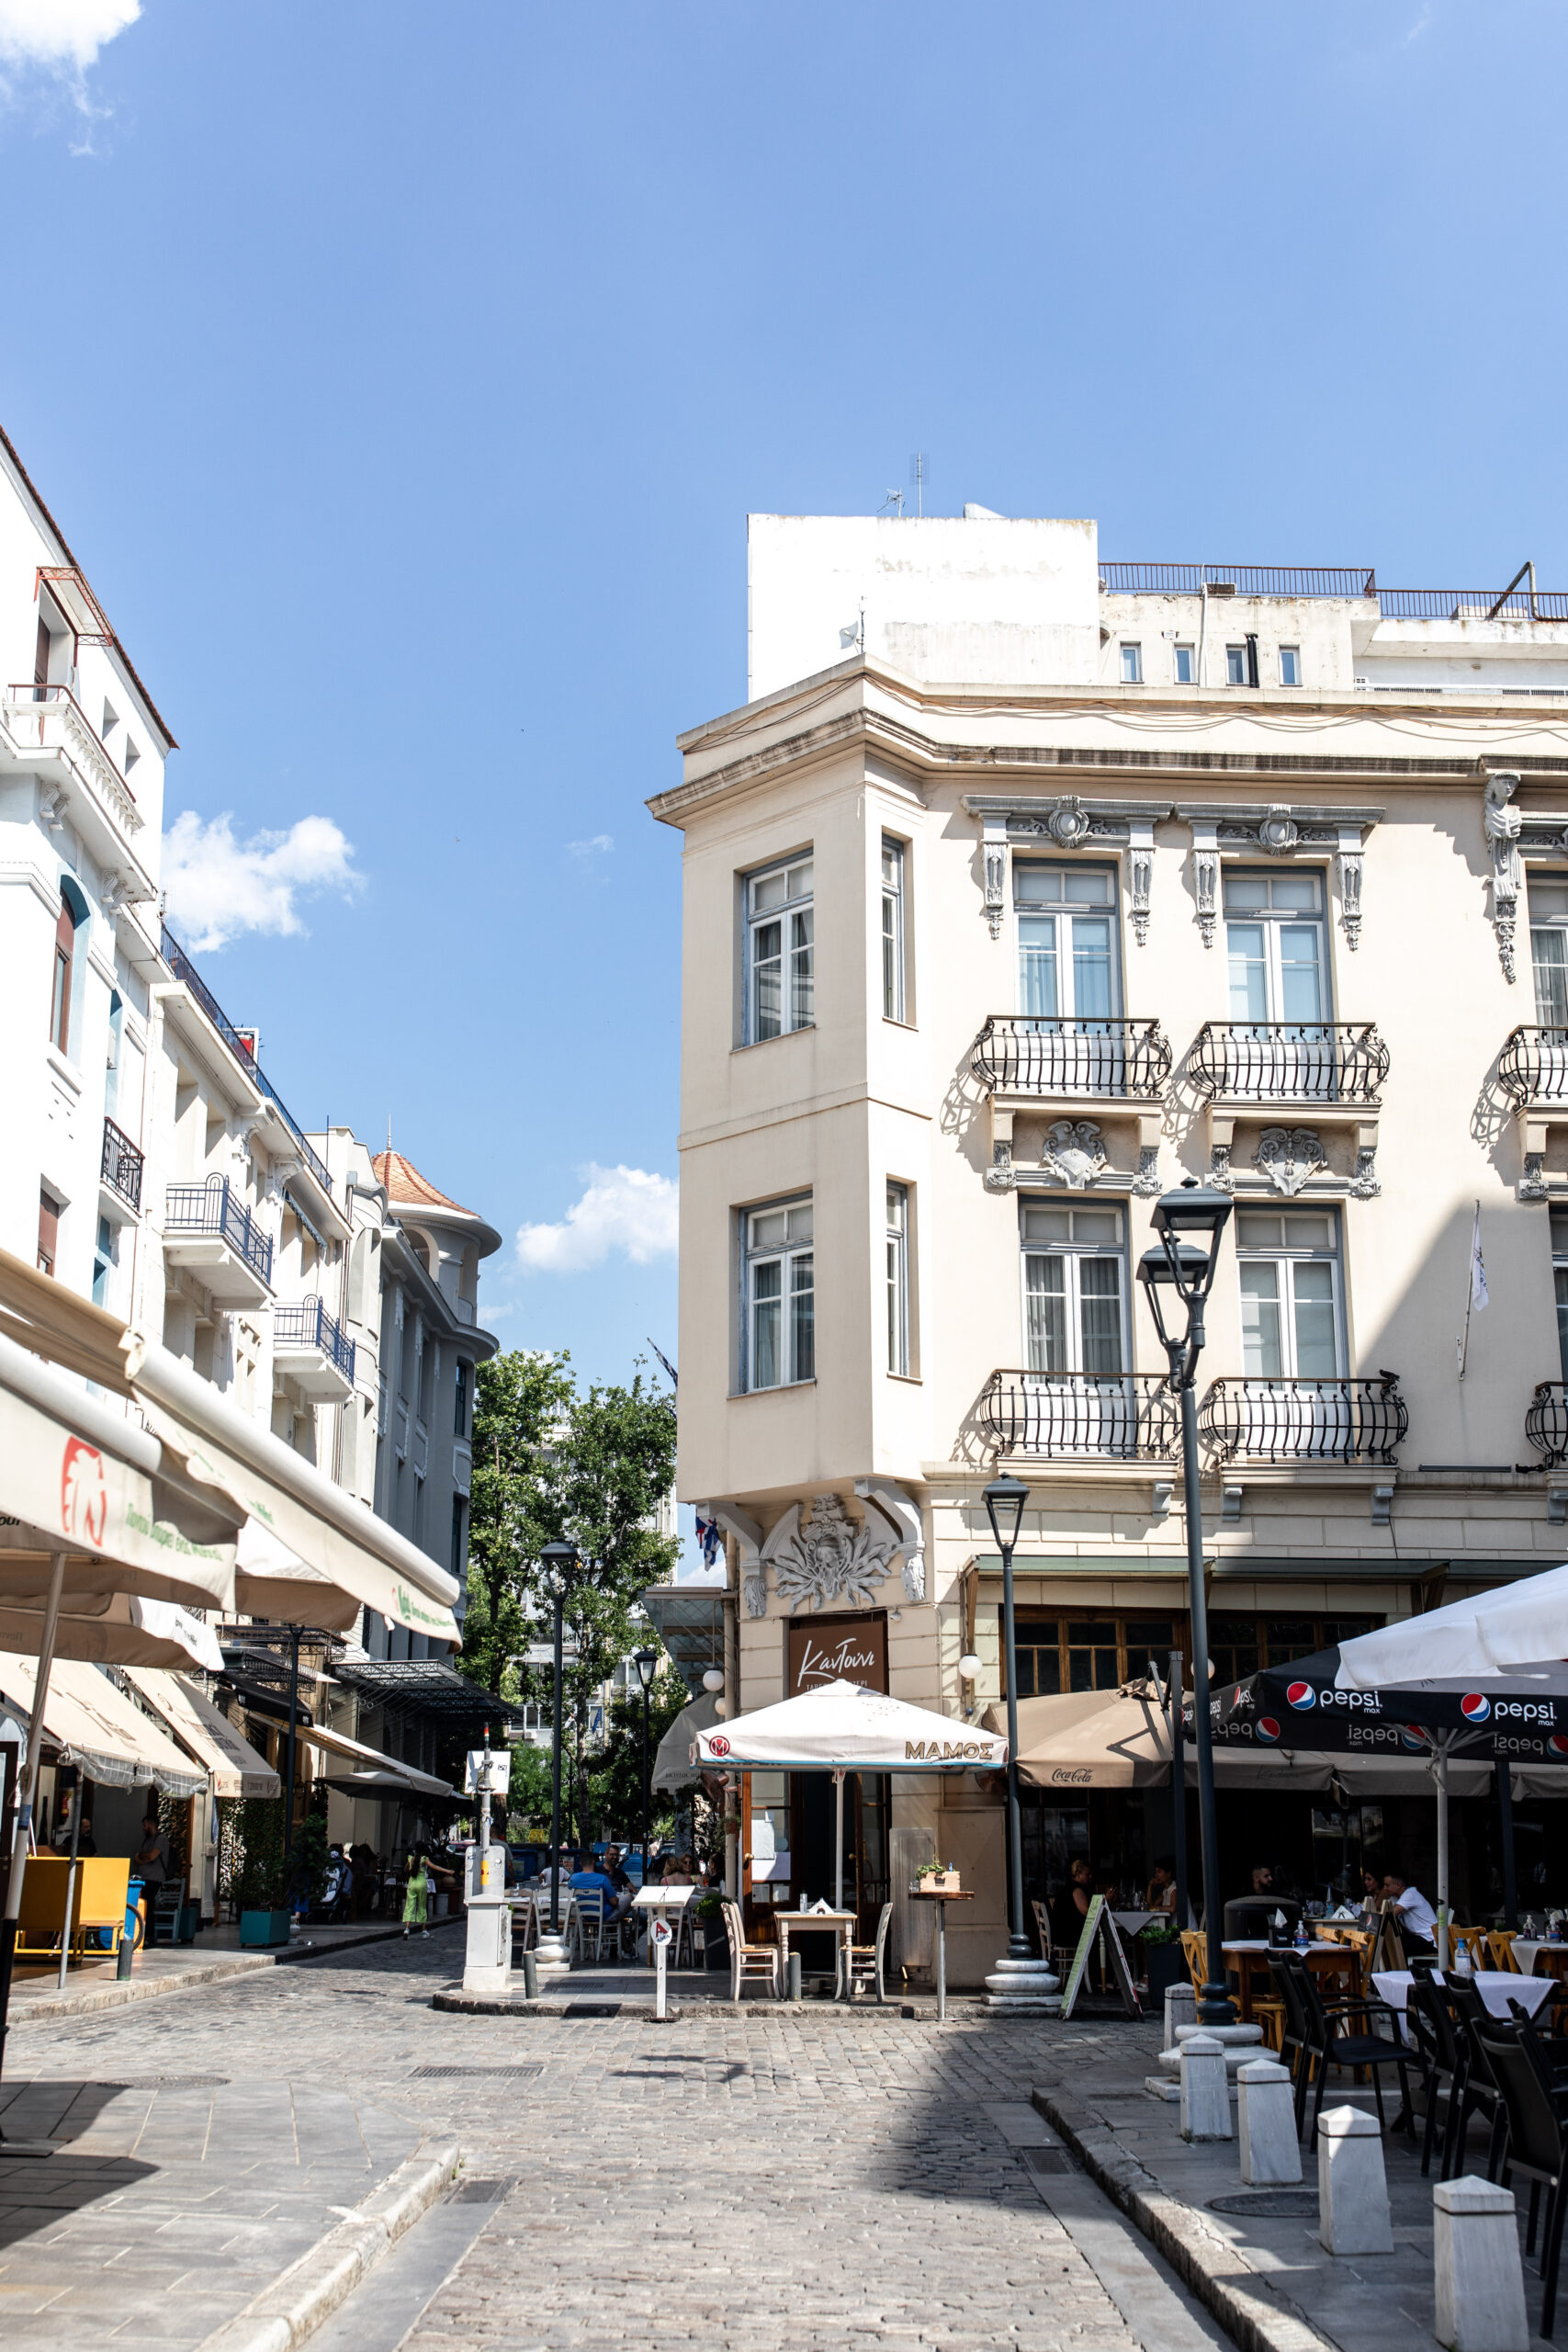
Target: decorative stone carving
1220	1173
1070	823
1288	1156
1503	826
828	1559
903	1515
1280	830
1351	862
1145	1183
994	851
1364	1185
1074	1152
1533	1185
51	807
1000	1176
1140	877
1067	823
1278	833
1206	877
749	1544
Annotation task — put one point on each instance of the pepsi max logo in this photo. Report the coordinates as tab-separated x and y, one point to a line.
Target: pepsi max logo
1302	1694
1266	1727
1558	1743
1411	1740
1474	1708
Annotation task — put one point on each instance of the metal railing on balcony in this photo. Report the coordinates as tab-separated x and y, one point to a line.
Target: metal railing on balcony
1546	1424
1305	1421
239	1044
1127	1416
121	1165
1533	1066
1246	579
212	1208
1473	604
1290	1061
1033	1053
305	1323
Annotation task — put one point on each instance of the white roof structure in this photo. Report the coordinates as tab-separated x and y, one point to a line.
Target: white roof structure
842	1727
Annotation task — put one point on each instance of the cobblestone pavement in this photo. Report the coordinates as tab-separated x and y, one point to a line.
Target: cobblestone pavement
769	2179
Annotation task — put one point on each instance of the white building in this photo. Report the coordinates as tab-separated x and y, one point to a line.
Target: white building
1023	885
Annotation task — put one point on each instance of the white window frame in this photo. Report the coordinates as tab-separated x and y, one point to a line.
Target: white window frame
1548	928
796	958
1560	1282
898	1279
1288	1255
894	869
1062	910
1073	1252
1188	653
780	1260
1289	657
1273	920
1235	657
1132	662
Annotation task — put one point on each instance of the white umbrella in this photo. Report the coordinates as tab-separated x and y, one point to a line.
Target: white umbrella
673	1766
1493	1635
842	1727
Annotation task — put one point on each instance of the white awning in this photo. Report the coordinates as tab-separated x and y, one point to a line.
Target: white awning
337	1743
232	1765
97	1728
840	1726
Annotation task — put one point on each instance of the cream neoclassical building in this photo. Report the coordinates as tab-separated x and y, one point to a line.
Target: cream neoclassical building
1021	885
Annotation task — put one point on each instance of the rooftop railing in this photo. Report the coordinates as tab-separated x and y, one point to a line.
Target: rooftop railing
1245	579
121	1165
1032	1053
1290	1061
1128	1416
179	963
212	1208
305	1323
1305	1421
1533	1066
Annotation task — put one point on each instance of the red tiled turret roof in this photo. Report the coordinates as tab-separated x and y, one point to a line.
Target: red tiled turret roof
406	1188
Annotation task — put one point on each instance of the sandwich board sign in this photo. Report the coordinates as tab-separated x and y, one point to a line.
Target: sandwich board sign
1100	1926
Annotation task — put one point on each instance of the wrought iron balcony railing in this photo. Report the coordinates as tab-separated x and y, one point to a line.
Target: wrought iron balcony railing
1290	1061
1533	1066
1128	1416
1036	1053
240	1045
305	1323
212	1208
121	1165
1305	1421
1546	1424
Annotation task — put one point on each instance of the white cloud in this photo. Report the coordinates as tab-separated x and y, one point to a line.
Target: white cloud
217	887
63	35
600	845
623	1209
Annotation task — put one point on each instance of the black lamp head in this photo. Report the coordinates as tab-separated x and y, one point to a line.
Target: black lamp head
1197	1211
559	1562
1004	1499
645	1661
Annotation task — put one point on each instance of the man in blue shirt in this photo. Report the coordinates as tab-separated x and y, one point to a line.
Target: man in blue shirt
587	1880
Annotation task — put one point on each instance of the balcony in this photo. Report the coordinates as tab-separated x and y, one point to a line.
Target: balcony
1533	1067
1305	1421
46	729
1102	1057
309	1347
1121	1417
240	1045
1323	1062
206	1229
121	1167
1546	1424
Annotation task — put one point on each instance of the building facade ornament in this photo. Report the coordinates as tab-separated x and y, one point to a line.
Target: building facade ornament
1288	1156
1504	826
1282	828
1278	834
1364	1185
903	1515
1069	823
829	1558
1074	1153
1220	1173
1000	1176
994	856
1145	1183
1206	877
1140	876
1533	1185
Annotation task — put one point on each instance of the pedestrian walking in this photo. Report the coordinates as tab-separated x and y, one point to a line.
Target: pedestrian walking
416	1896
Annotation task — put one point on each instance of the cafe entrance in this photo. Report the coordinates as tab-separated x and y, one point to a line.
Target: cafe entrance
787	1833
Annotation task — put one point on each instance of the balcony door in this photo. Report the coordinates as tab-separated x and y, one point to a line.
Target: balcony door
1276	945
1075	1329
1069	973
1291	1325
1548	951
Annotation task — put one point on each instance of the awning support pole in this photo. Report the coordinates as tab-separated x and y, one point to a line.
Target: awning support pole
1178	1790
70	1873
1505	1818
837	1841
1440	1771
29	1796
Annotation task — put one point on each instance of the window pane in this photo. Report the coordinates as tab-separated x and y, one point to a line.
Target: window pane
1561	1278
765	1325
1548	951
1026	1676
1091	966
800	1221
769	891
801	1012
802	1318
890	1003
1046	1225
1099	1309
1248	971
1045	1314
800	881
1185	673
1301	987
1088	886
1132	664
768	1228
1317	1357
1036	884
767	999
1306	1232
895	1206
1289	666
1151	1634
1244	892
1548	899
1235	665
1096	1224
1299	892
1037	965
1048	1673
1261	1353
1256	1230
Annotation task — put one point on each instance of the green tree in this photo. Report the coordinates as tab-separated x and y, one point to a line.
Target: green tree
617	1779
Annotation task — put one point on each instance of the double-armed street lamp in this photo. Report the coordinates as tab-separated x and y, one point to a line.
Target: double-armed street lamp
1188	1222
645	1661
559	1563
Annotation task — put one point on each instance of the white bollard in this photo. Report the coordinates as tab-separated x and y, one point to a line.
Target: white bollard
1205	2098
1266	2123
1180	2008
1352	2190
1479	2276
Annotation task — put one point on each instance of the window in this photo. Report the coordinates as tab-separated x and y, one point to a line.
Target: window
781	1313
898	1278
64	956
459	1528
1067	945
1235	665
1548	896
1076	1652
103	1258
893	930
1289	1264
1559	1280
1132	665
1275	939
460	1399
1186	666
1290	665
780	981
1073	1291
48	1231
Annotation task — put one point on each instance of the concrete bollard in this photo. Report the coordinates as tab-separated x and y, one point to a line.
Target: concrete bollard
1205	2098
1180	2008
1266	2123
1479	2276
1352	2190
530	1977
794	1976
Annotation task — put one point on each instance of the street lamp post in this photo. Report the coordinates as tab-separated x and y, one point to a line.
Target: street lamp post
560	1564
1188	1224
645	1661
1020	1980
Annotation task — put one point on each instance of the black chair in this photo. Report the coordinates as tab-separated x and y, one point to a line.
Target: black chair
1327	2046
1296	2035
1538	2137
1481	2094
1439	2053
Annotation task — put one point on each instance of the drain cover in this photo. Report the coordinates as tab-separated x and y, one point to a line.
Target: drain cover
1047	2160
479	2192
475	2074
1270	2204
593	2010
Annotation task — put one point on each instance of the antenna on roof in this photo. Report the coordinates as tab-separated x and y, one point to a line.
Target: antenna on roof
919	474
894	499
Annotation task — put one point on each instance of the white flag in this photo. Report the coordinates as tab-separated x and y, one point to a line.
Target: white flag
1478	1295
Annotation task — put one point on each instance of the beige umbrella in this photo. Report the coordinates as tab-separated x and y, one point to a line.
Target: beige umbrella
1121	1740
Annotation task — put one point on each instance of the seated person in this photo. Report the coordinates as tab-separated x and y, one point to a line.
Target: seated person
1418	1920
615	1870
1160	1892
588	1880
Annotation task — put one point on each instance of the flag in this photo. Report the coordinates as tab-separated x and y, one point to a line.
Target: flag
1478	1295
709	1540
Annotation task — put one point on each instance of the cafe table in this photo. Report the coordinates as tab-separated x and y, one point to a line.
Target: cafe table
840	1925
942	1898
1252	1957
1537	1957
1496	1986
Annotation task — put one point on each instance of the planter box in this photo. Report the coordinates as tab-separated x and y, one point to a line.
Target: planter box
716	1951
264	1928
939	1882
1167	1965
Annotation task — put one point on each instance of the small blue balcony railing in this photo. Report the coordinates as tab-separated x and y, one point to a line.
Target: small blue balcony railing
212	1208
305	1323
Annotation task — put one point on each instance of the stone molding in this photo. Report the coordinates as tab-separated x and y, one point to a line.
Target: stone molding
1279	829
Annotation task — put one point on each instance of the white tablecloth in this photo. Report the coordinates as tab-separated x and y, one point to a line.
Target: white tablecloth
1130	1921
1496	1986
1526	1947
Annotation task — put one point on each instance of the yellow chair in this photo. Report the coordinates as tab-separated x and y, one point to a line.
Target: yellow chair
1500	1950
1195	1953
1471	1939
98	1900
1269	2014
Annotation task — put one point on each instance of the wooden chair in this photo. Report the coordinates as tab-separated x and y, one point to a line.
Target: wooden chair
749	1963
1195	1953
1471	1939
1269	2013
1500	1951
588	1904
866	1960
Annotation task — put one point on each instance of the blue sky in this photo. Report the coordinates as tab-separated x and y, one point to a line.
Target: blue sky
403	375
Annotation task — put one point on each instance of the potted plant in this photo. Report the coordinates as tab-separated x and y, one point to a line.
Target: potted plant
1164	1959
257	1884
937	1878
714	1929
